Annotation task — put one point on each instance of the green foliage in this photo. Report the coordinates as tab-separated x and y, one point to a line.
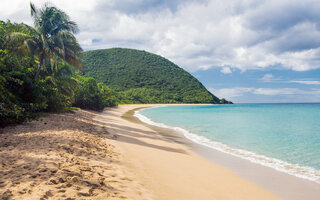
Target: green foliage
91	95
49	52
88	94
20	96
109	96
145	95
59	89
142	77
224	101
50	39
24	50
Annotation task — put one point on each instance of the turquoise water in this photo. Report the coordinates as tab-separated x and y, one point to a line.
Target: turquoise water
283	136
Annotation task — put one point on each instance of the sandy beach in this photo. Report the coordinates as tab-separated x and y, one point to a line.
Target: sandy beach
169	170
64	156
282	184
89	155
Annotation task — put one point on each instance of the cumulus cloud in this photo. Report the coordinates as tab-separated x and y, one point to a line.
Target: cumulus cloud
198	34
226	70
289	94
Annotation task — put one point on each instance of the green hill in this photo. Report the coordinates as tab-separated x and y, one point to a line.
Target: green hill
144	77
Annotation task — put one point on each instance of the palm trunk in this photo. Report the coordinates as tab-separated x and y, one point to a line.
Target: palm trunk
39	69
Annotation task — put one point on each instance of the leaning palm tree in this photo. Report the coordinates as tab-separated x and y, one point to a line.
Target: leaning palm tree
50	38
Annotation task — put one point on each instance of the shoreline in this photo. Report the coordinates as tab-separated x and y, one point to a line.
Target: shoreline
113	155
170	170
285	185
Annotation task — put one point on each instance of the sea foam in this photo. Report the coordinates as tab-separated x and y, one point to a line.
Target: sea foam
279	165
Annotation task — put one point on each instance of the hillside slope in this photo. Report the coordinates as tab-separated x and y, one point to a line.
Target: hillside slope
135	71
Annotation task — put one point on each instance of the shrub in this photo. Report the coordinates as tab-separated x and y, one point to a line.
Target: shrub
88	95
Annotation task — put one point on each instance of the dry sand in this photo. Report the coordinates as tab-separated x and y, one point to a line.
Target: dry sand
64	156
88	155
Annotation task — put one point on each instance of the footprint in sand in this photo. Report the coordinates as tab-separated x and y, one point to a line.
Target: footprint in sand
61	191
7	194
53	181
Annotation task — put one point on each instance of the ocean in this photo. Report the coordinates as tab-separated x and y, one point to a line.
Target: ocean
285	137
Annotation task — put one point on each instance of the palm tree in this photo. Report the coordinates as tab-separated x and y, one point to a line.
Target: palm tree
51	38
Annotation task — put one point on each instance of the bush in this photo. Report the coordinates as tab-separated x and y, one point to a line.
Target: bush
88	95
108	95
20	96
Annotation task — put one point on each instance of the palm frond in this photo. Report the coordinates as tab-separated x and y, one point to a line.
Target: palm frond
35	15
15	40
52	38
28	30
69	26
73	60
71	43
34	10
32	45
67	86
59	52
55	62
16	37
50	80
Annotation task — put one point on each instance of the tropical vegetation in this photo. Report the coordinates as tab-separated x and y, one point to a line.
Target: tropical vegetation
142	77
93	95
41	71
38	68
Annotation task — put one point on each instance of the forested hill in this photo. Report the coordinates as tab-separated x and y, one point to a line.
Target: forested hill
144	77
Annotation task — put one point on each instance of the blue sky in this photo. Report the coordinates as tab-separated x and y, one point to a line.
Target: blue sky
263	86
242	50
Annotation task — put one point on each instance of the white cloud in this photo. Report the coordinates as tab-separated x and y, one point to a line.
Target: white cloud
278	94
269	78
277	91
307	82
230	93
272	78
226	70
197	35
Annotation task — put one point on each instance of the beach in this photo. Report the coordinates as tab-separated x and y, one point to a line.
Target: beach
159	100
64	156
169	170
112	155
286	180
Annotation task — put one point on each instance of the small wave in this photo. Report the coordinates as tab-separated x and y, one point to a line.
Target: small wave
292	169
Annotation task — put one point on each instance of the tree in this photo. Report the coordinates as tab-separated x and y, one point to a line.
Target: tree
51	38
